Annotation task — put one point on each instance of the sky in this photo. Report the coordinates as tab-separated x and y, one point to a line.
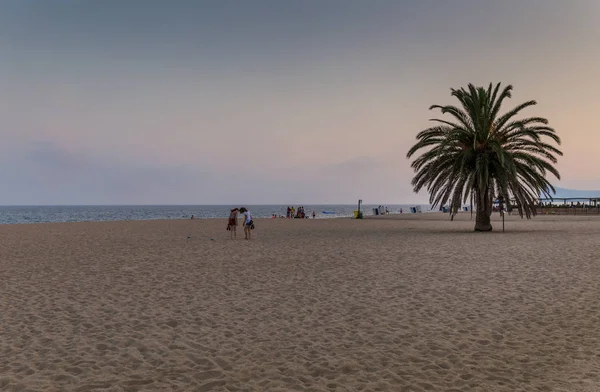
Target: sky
268	101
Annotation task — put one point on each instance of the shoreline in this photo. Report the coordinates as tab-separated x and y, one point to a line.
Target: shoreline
426	216
17	215
164	220
184	219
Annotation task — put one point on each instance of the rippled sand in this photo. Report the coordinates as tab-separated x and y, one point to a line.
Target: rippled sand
405	303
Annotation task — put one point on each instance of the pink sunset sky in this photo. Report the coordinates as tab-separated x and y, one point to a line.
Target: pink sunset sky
206	102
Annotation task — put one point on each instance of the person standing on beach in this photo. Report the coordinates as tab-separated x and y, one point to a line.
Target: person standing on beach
248	222
232	222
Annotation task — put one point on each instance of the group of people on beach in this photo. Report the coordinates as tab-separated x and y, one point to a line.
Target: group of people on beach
248	223
300	214
232	222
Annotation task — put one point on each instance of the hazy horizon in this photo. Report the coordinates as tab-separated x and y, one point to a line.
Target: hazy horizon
561	193
268	102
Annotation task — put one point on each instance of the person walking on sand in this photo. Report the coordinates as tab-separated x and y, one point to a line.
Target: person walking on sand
248	222
232	223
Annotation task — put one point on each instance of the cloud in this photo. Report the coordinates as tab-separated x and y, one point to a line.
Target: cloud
44	172
49	155
357	165
375	179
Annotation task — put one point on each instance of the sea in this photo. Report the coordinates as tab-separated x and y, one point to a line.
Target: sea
43	214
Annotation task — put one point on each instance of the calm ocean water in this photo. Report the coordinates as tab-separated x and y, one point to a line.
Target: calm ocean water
38	214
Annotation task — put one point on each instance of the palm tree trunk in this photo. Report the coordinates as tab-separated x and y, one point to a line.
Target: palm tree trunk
484	211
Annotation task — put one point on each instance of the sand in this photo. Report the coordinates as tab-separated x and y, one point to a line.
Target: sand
404	303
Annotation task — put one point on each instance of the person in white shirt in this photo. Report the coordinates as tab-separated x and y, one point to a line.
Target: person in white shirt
248	223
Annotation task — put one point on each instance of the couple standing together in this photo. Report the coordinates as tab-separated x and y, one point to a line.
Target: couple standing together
232	222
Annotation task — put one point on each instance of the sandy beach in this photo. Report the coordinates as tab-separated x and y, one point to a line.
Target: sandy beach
397	303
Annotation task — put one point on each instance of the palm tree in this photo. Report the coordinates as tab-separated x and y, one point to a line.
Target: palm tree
481	155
